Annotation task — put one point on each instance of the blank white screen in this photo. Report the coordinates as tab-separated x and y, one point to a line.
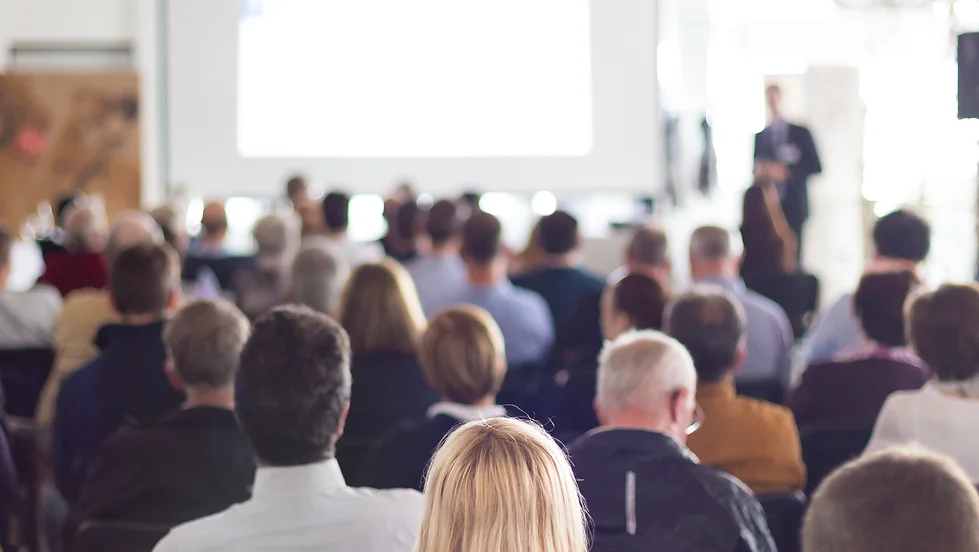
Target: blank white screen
419	78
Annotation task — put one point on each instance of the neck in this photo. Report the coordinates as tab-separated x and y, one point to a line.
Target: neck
444	250
567	260
139	319
483	276
713	272
336	233
223	397
890	264
644	422
213	240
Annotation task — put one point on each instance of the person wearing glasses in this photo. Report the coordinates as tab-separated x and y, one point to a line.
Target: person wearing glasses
755	441
643	488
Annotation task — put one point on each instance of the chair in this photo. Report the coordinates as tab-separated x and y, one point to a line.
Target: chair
825	449
797	294
118	536
784	513
22	376
771	390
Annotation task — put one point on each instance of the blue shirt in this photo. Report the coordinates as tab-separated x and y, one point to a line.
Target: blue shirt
562	289
436	276
522	315
835	331
769	333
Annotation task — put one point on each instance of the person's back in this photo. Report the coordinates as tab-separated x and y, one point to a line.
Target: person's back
81	265
336	216
441	270
26	317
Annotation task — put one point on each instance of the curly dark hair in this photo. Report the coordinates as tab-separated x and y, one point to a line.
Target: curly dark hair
293	386
879	305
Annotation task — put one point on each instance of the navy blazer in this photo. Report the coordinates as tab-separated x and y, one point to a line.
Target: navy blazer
795	202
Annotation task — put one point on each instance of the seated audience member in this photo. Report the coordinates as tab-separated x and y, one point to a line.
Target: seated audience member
522	315
770	246
502	485
849	392
648	254
81	265
291	396
402	215
381	313
531	258
441	271
714	261
85	311
897	500
463	358
214	229
943	416
644	490
561	281
193	463
54	241
126	382
901	242
336	217
26	317
170	224
266	285
756	442
317	279
310	215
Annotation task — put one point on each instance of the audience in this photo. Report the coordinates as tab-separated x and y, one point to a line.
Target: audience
531	258
635	302
501	485
849	392
464	362
897	500
193	463
714	261
171	225
440	271
644	490
126	382
648	254
381	313
901	242
26	317
943	416
310	215
560	281
402	216
336	217
317	279
214	230
266	284
85	311
81	265
291	395
522	315
770	246
756	442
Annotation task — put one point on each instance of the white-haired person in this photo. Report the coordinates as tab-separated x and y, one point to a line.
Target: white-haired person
501	485
266	284
643	488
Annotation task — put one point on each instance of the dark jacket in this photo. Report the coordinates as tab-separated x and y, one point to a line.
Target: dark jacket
645	492
849	394
399	462
125	383
191	464
802	163
563	289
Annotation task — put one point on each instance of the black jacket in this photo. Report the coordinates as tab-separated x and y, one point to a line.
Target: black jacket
802	160
402	457
645	492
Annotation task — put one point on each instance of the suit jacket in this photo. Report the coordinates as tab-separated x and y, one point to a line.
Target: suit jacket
800	155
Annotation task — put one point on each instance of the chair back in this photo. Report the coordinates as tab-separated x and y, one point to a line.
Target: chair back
784	513
825	449
118	536
22	376
797	294
771	390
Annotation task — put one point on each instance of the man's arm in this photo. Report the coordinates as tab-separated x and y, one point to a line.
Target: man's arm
809	163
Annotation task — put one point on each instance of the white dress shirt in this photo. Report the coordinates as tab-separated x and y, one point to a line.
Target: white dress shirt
306	508
934	420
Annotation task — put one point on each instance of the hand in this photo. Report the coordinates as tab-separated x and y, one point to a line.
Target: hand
778	172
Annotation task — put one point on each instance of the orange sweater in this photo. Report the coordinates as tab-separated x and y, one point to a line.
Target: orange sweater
755	441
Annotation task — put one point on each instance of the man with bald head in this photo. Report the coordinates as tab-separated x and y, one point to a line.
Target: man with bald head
713	260
214	229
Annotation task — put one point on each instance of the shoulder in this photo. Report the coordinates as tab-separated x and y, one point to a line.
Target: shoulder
392	505
206	533
529	298
725	489
766	414
759	305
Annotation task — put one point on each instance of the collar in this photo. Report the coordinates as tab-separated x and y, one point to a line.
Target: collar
723	389
465	412
498	288
112	334
648	443
202	415
319	478
733	285
877	350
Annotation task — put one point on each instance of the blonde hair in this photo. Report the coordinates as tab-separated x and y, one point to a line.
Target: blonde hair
501	485
462	354
380	309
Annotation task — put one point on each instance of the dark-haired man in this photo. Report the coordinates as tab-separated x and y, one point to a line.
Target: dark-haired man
292	394
214	229
441	271
126	382
522	315
901	242
336	218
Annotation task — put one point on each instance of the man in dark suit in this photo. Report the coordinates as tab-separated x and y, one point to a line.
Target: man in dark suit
786	155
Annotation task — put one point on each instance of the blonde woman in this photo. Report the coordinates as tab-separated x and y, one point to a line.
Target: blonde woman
501	485
381	312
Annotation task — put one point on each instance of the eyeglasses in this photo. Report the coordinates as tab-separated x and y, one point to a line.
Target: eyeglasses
698	420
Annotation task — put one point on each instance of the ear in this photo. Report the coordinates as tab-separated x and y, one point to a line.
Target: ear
343	419
173	377
173	299
679	406
739	360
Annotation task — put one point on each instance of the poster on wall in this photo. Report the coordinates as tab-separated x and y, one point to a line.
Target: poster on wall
63	133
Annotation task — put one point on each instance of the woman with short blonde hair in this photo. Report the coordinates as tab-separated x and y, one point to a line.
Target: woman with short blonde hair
501	485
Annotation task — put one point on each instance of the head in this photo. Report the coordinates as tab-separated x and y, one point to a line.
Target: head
85	230
482	245
943	326
648	253
463	357
317	278
129	229
274	237
711	325
773	100
144	282
647	380
635	302
559	234
169	222
63	205
336	211
214	222
406	220
6	246
902	236
203	342
292	390
297	190
898	499
380	309
712	254
444	225
501	484
879	305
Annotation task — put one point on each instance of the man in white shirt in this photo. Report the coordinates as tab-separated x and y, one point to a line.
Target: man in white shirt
292	396
336	217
